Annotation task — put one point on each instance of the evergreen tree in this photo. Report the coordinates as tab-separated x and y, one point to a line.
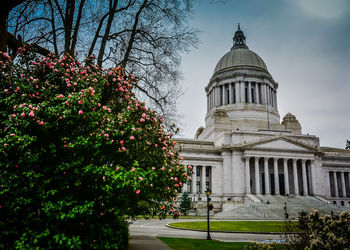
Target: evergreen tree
185	204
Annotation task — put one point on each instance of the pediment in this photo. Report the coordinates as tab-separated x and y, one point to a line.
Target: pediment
280	144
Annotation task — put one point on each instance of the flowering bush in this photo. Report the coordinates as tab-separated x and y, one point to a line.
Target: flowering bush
320	232
79	153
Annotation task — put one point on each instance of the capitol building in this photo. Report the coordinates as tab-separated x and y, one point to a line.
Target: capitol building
246	153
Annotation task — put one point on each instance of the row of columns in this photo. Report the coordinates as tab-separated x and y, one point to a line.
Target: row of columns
203	179
246	92
335	183
276	176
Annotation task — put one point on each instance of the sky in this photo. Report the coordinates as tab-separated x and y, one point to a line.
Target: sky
305	45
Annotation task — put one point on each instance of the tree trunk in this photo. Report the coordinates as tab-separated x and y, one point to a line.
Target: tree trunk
133	33
107	31
3	32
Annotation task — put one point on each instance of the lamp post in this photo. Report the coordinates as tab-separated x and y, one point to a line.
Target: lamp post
207	192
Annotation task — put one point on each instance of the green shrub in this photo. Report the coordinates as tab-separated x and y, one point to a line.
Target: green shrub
79	154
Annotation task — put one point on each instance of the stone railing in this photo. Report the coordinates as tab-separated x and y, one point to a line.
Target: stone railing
323	199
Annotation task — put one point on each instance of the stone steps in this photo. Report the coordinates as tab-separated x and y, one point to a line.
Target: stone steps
275	208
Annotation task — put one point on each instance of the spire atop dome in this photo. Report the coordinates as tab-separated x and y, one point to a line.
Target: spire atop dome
239	39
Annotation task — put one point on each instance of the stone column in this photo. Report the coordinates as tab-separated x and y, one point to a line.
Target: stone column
247	175
335	184
203	181
207	103
305	188
216	99
249	92
286	176
184	188
226	182
263	93
276	99
295	174
230	98
257	100
257	176
223	97
328	177
267	176
237	92
313	178
343	184
275	168
243	92
194	180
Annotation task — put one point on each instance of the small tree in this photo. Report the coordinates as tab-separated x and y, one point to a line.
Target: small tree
186	203
347	145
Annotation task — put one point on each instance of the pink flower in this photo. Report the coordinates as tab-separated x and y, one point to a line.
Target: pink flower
140	178
143	115
123	148
101	214
121	141
151	185
5	144
142	120
138	191
171	135
80	112
12	134
13	115
23	114
176	185
163	207
189	167
133	170
163	148
132	137
41	123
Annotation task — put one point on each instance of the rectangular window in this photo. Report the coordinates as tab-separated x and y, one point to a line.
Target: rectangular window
198	171
233	93
259	92
227	94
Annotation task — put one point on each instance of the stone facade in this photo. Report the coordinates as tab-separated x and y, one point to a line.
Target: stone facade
244	149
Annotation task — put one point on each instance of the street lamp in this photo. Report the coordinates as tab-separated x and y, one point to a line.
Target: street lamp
207	192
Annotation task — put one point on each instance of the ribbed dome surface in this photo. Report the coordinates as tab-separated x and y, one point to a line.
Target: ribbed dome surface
240	57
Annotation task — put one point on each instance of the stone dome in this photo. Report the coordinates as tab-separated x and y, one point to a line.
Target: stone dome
240	57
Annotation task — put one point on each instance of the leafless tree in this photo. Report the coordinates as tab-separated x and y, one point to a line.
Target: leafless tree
146	37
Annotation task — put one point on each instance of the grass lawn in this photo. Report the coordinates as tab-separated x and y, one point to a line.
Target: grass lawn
184	244
244	226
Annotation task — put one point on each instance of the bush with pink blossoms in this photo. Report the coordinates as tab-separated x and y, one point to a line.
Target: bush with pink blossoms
79	154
